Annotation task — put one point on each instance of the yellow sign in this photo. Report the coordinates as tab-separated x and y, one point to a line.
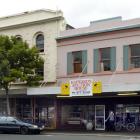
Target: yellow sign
97	87
65	89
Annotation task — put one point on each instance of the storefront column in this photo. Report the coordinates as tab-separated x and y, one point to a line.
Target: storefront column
58	113
33	108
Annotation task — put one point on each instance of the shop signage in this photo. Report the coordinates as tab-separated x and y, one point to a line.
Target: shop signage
132	109
65	89
81	87
97	87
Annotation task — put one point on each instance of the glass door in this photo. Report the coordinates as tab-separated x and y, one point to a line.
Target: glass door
100	117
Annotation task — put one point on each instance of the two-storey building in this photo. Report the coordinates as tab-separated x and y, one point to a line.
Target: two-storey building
107	51
38	28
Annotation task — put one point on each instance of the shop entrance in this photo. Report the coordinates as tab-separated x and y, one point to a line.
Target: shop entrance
99	117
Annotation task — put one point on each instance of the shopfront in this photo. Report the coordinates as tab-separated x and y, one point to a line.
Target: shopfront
38	110
90	113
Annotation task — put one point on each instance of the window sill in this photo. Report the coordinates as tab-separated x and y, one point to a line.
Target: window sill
73	75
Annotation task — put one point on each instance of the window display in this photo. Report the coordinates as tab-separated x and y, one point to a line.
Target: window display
78	115
127	117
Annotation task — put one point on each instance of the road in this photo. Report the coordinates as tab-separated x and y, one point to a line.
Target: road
66	137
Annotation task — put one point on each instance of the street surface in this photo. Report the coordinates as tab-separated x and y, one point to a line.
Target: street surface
68	136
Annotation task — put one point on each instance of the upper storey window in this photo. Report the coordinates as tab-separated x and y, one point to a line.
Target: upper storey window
104	59
40	42
18	37
135	55
77	62
131	56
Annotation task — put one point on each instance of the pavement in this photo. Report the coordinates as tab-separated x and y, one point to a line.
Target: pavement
73	135
94	133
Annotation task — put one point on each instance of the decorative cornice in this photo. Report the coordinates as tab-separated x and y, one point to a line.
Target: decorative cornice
32	23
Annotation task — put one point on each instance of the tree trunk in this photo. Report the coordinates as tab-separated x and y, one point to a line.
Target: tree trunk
8	103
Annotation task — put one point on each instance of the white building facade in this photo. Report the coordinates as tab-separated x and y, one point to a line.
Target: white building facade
39	28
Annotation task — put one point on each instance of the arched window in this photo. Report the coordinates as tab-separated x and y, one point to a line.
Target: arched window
18	37
40	42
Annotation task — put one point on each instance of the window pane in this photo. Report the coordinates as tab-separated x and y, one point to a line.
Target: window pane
40	71
135	62
105	59
77	56
105	53
40	42
77	62
135	50
106	65
135	56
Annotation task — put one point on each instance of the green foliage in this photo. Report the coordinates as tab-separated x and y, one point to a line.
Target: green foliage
17	60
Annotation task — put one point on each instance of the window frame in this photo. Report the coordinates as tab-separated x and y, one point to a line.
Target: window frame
131	65
101	60
77	63
39	43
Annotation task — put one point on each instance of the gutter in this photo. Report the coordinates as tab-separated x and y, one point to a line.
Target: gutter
101	31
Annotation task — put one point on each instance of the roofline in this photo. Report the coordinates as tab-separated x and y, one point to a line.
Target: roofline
106	19
70	26
32	22
29	12
102	31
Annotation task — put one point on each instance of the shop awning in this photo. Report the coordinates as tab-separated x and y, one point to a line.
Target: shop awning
105	88
121	87
43	91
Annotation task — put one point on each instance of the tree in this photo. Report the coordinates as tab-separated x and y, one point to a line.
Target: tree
18	61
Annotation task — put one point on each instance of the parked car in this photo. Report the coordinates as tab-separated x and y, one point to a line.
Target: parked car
14	125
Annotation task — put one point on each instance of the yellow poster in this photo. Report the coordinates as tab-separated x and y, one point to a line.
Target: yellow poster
65	89
97	87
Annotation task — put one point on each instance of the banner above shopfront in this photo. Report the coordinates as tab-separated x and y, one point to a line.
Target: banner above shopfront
75	88
81	87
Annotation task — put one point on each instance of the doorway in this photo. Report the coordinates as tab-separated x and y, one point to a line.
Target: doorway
99	117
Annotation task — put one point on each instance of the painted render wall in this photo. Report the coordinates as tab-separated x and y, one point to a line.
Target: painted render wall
114	39
50	29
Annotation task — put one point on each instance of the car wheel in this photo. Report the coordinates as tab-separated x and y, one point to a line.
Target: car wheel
24	130
37	132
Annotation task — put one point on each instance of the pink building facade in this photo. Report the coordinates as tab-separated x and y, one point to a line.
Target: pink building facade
107	51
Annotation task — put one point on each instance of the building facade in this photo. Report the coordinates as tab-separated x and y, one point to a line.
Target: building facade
38	28
107	51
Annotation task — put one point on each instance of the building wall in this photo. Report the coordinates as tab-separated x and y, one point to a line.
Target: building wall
90	42
28	31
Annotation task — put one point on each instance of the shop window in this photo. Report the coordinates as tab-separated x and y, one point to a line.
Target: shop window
135	56
2	107
40	42
44	112
77	114
24	110
105	59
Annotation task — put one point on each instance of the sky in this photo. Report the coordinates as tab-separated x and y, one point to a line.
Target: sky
78	13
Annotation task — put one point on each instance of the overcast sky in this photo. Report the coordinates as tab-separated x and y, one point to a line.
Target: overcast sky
78	13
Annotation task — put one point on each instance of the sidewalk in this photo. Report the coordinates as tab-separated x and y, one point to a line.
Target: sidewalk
94	133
